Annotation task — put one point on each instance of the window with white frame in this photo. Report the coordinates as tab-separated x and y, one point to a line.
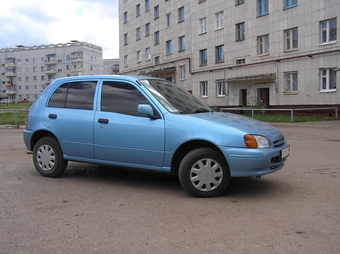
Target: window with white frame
204	88
147	5
291	81
181	43
138	33
169	47
328	79
291	38
181	14
147	29
126	39
219	20
220	88
203	57
328	30
168	18
126	60
137	10
147	54
125	17
289	3
139	56
263	44
202	25
240	32
219	53
157	37
182	72
262	7
156	11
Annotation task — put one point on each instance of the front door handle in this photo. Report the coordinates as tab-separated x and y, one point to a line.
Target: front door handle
103	120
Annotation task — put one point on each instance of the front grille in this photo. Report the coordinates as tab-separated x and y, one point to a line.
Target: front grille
279	142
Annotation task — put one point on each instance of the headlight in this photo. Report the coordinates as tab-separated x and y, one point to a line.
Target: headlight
256	141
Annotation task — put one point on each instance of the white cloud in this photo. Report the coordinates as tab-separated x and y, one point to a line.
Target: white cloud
37	22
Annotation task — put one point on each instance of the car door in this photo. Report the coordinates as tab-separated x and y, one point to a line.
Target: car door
69	115
122	136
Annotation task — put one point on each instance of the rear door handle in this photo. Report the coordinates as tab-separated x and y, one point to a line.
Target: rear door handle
53	116
103	120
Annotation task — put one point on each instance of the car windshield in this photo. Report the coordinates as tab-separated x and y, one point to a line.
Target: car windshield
174	98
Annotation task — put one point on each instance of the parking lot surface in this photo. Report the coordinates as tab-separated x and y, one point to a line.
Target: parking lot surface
98	209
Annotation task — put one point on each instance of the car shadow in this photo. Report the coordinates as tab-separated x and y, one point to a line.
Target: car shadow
159	181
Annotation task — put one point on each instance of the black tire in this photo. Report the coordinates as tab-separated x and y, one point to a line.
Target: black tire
204	172
48	157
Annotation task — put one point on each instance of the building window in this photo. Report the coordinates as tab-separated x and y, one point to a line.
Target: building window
125	17
220	88
168	20
27	88
262	7
139	57
328	30
263	44
328	79
181	43
240	61
201	1
291	80
157	38
289	3
204	88
169	47
203	57
156	12
126	60
219	20
157	60
126	39
219	54
291	39
19	88
240	32
182	72
147	29
137	10
27	79
181	14
34	69
138	33
202	25
147	5
147	54
239	2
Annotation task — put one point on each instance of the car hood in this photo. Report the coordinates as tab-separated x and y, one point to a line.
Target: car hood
241	123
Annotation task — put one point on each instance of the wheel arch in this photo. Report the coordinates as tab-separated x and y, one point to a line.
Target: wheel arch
186	148
41	134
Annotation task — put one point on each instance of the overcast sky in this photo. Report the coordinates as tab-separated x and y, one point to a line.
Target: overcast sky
38	22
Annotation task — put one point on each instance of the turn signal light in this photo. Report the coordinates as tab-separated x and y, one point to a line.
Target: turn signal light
250	141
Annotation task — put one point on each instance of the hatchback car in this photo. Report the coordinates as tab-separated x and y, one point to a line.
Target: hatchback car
148	123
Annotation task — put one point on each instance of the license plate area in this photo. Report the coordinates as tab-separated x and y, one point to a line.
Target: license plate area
285	152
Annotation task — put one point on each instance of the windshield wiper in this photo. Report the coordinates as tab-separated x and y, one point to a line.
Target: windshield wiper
199	110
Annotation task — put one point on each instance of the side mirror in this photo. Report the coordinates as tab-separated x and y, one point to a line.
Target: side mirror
145	110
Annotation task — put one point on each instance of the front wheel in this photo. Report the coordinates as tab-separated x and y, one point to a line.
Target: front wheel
48	157
204	172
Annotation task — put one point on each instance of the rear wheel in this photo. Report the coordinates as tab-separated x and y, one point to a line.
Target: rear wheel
48	157
204	172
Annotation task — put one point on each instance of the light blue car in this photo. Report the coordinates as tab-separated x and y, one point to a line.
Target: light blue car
148	123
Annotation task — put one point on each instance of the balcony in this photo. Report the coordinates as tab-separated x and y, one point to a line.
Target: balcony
10	74
50	72
50	62
11	92
10	65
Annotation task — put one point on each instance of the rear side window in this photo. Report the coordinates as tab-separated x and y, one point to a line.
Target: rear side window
76	95
120	97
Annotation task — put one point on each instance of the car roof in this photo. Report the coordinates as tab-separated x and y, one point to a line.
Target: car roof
123	77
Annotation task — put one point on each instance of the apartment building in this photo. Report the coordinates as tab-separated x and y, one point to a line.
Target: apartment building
276	53
111	66
27	70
